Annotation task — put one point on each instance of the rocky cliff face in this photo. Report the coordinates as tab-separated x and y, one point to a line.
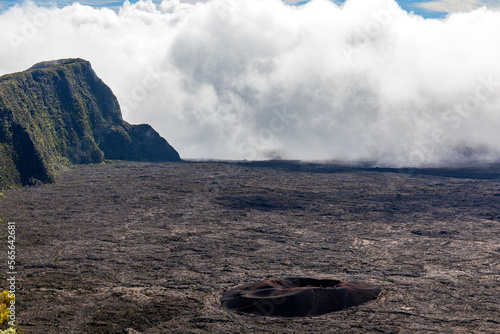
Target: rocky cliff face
59	113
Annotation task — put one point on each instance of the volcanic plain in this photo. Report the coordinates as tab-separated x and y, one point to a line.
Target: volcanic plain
134	247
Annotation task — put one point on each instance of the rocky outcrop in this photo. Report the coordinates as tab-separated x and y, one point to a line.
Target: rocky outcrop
59	113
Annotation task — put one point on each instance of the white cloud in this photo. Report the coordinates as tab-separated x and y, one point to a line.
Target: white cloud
253	79
450	6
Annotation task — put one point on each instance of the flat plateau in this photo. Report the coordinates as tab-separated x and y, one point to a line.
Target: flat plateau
127	247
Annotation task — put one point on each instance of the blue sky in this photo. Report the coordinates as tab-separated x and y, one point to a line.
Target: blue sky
425	8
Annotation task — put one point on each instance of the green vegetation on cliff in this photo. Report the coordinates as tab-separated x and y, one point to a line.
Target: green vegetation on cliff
59	113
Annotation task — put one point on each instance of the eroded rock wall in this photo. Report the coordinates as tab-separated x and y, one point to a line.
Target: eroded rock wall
59	113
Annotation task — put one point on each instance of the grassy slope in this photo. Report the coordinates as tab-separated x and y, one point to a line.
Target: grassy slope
60	113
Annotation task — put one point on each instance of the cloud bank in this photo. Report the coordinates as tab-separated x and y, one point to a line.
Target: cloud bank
446	6
259	79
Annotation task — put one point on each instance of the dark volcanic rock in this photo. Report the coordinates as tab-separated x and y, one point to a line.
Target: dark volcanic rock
297	297
59	113
121	248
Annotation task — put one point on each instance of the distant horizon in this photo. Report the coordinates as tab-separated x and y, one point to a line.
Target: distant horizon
371	165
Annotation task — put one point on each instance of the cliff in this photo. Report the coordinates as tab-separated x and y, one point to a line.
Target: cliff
59	113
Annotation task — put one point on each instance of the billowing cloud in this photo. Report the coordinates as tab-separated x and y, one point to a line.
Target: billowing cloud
256	79
447	6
